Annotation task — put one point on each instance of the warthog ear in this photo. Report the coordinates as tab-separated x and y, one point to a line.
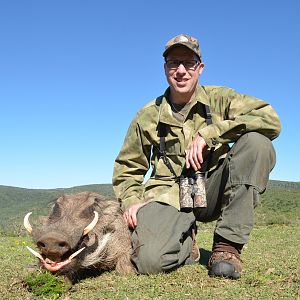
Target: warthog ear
55	212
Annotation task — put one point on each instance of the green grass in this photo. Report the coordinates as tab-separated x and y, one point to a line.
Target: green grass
271	268
271	271
45	285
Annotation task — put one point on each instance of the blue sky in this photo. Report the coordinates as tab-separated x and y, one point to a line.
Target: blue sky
74	73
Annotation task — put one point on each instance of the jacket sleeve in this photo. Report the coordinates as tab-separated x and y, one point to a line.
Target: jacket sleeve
237	114
131	166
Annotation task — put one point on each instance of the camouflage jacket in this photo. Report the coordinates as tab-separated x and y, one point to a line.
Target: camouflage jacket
233	115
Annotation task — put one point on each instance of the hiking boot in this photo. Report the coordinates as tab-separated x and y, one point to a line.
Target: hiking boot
225	264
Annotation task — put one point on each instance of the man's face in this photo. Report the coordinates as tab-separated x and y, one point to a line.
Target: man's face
182	78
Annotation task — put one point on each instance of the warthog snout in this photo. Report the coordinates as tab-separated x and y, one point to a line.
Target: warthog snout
53	246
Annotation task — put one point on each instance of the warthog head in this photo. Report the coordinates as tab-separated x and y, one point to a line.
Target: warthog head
83	231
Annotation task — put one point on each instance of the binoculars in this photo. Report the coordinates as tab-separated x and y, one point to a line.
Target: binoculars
192	191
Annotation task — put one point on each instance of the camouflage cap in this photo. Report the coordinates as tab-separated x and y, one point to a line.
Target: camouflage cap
184	40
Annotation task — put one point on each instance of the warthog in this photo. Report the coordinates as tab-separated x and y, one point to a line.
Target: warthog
83	232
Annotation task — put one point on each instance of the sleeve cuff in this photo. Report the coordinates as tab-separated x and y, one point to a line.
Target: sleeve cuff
210	139
130	201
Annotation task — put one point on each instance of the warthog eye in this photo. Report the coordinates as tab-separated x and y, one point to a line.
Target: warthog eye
41	245
88	212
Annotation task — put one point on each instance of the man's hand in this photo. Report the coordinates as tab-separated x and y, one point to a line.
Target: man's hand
194	153
130	215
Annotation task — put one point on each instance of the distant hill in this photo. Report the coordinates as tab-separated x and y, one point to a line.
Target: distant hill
281	202
277	184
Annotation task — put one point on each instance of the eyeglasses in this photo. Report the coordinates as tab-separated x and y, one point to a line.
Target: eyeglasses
190	64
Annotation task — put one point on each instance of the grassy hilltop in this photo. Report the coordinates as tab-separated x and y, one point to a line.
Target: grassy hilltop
270	259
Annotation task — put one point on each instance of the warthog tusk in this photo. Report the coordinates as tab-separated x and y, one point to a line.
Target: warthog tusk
88	228
27	224
76	253
35	253
51	265
42	259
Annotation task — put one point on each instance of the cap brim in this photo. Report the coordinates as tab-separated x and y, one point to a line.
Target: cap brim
179	45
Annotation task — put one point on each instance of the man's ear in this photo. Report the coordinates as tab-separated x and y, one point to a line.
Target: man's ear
201	68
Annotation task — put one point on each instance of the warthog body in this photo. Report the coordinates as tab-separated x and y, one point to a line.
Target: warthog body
105	244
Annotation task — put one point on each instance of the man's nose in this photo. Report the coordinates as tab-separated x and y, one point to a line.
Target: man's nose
181	68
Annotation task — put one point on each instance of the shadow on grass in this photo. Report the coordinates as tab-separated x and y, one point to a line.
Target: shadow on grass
87	273
204	256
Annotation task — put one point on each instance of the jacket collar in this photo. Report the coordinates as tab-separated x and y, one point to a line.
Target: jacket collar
165	110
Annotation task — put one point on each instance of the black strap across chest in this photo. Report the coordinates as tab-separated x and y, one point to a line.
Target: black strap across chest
162	132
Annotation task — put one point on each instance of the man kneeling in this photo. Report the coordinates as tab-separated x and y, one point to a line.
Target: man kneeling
186	133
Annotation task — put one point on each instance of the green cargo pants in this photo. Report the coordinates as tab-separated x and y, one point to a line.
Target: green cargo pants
162	239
